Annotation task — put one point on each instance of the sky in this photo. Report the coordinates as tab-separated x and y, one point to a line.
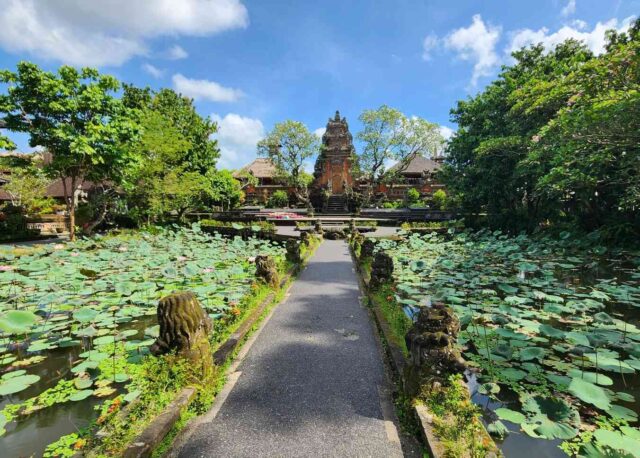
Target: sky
249	64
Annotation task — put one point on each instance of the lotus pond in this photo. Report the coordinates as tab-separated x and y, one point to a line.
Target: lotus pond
70	314
551	326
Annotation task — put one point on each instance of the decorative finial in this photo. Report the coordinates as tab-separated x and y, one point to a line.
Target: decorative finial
337	115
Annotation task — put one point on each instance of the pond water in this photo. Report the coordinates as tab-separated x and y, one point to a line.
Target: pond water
552	327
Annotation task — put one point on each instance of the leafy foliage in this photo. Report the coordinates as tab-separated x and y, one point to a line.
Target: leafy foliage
73	115
554	140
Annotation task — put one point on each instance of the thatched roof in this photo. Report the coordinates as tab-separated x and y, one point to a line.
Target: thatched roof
418	164
260	168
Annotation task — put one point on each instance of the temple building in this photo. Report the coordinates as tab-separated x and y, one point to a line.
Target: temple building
267	181
333	176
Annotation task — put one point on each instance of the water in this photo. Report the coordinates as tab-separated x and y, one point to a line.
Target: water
514	443
30	435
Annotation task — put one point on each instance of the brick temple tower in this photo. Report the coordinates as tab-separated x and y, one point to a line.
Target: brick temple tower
333	167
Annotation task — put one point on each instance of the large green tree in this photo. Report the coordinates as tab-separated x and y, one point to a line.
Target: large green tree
201	151
174	157
389	136
289	145
26	183
554	140
75	116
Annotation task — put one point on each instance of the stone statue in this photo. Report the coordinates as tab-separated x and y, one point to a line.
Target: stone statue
293	252
185	329
368	246
433	351
266	270
381	270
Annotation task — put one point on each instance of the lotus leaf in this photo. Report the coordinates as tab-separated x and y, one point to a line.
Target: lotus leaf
589	393
17	321
618	441
17	384
510	415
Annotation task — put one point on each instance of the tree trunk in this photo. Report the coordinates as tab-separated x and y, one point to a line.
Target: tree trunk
70	201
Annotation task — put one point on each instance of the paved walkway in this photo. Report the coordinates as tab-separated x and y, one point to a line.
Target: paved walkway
312	383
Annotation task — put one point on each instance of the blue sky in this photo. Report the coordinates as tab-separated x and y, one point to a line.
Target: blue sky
252	63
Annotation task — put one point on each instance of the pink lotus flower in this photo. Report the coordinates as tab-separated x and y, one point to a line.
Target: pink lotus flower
58	246
182	258
207	270
122	249
252	259
6	268
74	254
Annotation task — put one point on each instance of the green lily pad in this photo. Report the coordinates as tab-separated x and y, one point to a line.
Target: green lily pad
17	384
589	393
510	415
80	395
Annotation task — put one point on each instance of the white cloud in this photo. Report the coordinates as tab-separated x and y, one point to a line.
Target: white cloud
152	70
446	132
176	52
476	43
237	137
429	44
108	32
205	89
569	8
319	132
594	39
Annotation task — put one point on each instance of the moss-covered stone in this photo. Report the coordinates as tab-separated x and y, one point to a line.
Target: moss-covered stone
266	270
381	269
433	353
184	329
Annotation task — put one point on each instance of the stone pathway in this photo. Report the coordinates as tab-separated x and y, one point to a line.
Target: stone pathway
312	382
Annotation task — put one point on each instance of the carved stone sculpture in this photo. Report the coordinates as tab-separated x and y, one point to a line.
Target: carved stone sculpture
368	246
433	353
318	227
293	252
266	270
185	329
381	269
304	238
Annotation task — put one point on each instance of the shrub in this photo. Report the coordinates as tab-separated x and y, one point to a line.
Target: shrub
278	199
440	199
413	196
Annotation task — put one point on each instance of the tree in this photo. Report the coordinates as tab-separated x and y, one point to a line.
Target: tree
201	150
178	192
73	115
554	140
389	136
27	185
288	146
226	191
279	199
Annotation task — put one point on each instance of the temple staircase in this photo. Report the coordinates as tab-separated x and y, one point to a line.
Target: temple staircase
337	204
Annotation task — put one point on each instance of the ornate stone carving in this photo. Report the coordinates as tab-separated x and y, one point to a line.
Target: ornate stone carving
332	170
304	238
266	270
432	346
368	246
184	328
293	252
381	270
